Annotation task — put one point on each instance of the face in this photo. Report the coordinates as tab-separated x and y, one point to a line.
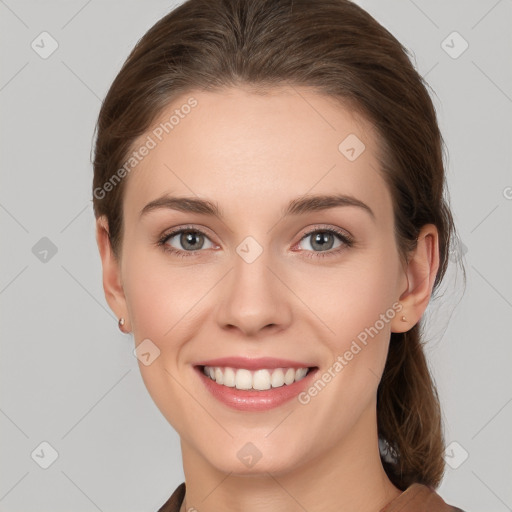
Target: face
259	284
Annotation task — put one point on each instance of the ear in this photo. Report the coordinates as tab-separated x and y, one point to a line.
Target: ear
112	284
421	270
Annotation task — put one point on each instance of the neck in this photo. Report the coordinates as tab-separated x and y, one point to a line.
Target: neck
348	477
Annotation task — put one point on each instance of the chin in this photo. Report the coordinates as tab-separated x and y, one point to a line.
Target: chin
249	460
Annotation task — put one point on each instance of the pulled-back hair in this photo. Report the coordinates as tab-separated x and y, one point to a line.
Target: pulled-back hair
335	48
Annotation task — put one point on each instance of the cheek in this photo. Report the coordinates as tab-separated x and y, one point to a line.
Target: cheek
351	298
357	303
162	298
358	307
162	301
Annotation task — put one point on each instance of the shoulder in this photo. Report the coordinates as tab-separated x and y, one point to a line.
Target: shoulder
419	498
173	504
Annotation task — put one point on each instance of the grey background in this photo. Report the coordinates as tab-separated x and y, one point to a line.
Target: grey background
68	376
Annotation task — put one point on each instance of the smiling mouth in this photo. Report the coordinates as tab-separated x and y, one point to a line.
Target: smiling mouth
257	380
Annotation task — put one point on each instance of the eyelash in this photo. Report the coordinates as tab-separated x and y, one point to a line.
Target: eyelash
346	239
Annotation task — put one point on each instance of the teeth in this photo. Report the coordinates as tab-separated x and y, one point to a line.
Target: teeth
259	380
243	379
219	376
229	378
277	379
289	376
301	373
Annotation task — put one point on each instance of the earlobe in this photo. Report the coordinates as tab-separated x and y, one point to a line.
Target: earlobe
421	271
112	283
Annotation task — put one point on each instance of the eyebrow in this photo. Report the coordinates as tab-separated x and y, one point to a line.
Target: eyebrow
298	206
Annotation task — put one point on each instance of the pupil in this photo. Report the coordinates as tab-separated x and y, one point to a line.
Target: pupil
323	240
190	240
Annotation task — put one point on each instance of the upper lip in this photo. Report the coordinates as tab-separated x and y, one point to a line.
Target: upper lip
253	363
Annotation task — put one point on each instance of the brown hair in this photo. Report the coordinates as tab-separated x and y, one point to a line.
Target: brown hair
334	47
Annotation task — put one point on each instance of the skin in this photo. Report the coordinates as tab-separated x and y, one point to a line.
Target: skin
252	154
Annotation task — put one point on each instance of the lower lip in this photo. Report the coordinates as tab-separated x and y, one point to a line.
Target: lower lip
244	400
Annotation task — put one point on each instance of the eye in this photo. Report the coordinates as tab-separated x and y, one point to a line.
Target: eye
185	240
318	242
325	240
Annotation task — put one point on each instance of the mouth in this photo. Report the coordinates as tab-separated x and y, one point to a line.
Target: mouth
255	384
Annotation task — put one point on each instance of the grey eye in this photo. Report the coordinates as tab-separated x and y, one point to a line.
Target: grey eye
189	240
321	240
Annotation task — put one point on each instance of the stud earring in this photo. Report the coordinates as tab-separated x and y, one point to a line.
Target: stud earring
120	324
404	319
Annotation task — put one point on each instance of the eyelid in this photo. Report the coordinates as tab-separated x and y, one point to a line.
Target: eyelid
343	233
186	227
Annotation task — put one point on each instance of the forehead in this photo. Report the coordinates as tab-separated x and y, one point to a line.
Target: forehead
246	149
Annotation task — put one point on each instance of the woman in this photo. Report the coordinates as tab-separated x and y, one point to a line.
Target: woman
268	188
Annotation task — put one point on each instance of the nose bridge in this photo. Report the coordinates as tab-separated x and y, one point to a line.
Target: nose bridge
252	297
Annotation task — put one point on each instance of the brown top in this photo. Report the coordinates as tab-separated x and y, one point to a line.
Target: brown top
416	498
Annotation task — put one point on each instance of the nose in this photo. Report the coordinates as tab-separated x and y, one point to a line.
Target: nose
253	299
